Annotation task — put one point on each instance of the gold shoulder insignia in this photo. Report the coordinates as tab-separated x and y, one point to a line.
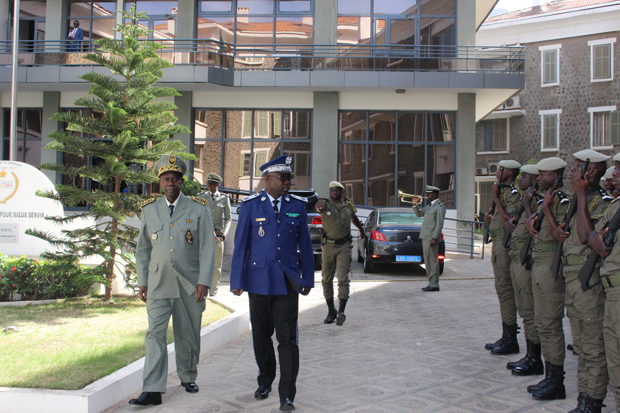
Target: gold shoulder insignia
200	200
148	201
350	206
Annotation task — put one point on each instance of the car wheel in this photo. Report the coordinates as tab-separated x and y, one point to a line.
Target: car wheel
441	267
368	266
359	255
318	262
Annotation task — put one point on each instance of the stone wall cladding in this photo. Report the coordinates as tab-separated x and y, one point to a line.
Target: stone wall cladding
574	95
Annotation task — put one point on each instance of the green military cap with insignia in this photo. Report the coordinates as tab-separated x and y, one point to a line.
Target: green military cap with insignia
551	164
530	169
593	155
335	184
510	164
430	188
608	173
170	163
211	177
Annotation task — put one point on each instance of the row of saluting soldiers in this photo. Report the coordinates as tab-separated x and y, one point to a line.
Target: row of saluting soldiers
553	250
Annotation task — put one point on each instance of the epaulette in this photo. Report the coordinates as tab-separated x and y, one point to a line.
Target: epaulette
563	197
350	205
200	200
247	198
300	198
539	198
605	195
148	201
440	204
513	189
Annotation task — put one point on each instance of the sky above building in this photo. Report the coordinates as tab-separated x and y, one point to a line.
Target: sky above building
504	6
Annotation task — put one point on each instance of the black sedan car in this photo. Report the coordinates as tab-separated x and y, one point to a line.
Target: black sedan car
392	236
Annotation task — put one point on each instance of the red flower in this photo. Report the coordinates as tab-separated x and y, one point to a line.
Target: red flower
36	261
14	269
13	285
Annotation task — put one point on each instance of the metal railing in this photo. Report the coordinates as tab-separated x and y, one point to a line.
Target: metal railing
269	57
466	240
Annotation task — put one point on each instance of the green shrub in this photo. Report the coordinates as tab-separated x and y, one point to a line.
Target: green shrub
191	188
40	280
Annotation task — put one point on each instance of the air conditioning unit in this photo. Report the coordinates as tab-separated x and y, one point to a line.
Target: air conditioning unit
512	103
500	107
482	171
493	168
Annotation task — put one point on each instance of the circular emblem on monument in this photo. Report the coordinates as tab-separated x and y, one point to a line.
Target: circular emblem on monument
172	159
289	160
8	185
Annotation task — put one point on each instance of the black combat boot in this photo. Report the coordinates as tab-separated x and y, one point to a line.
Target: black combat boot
491	346
331	311
533	365
341	317
581	403
593	405
510	344
535	387
555	386
512	364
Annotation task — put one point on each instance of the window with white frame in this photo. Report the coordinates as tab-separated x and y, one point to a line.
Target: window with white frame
550	130
492	135
602	59
604	127
550	65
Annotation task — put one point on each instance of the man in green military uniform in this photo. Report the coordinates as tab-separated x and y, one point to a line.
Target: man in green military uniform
610	280
337	215
174	259
549	289
506	198
521	276
585	309
219	205
430	234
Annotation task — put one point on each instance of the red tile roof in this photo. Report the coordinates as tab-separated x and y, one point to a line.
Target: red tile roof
550	7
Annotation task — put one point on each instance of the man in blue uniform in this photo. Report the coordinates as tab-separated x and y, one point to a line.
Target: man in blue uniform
272	226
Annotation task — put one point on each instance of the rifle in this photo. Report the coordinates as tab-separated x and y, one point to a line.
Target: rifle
525	254
517	216
610	238
557	265
492	210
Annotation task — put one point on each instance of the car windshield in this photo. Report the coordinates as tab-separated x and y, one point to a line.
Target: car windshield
396	218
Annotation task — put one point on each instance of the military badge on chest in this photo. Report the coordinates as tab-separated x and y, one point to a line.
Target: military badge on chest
189	237
261	231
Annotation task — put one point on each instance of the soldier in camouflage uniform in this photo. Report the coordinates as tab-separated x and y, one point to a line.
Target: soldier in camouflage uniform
337	215
585	309
610	281
521	276
506	198
549	290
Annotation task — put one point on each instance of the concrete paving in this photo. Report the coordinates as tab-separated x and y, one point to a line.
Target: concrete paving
400	350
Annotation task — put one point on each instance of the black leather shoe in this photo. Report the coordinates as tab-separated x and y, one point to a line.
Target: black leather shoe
429	288
190	387
262	392
147	398
286	405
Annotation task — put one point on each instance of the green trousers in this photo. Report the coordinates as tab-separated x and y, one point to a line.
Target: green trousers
524	298
585	311
548	308
431	262
336	260
217	268
611	333
186	320
503	282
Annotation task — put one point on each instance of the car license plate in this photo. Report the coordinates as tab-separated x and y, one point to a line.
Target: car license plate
408	258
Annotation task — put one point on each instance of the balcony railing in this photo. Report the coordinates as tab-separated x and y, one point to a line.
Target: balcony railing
271	57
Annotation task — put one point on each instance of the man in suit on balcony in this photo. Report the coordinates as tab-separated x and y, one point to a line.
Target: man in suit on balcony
77	35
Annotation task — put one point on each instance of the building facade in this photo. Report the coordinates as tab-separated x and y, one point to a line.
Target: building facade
571	100
381	95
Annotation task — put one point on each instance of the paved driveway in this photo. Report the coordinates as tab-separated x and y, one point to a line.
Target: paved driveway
400	350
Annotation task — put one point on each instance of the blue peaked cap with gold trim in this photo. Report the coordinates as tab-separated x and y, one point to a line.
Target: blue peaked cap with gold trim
281	164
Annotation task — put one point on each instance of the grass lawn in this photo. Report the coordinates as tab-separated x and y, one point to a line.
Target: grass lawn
72	344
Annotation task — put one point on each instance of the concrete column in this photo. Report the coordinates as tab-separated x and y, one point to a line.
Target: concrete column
5	10
118	18
324	141
325	21
466	156
184	113
55	24
186	19
51	105
465	22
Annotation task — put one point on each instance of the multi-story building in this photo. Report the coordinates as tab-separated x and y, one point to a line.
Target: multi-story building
572	91
381	95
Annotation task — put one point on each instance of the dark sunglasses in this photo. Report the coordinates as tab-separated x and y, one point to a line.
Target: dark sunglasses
284	177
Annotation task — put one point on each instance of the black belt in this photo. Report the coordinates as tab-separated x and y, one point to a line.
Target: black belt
338	241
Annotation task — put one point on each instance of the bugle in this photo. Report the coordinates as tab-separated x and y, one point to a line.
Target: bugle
415	199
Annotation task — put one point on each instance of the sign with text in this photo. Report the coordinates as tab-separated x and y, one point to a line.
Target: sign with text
22	209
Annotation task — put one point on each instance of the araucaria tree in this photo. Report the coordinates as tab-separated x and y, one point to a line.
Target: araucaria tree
135	128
